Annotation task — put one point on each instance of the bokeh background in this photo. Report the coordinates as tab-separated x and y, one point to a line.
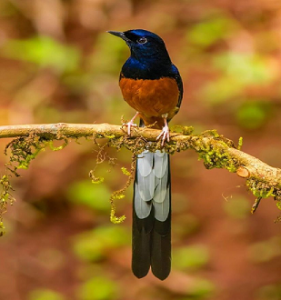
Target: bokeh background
58	64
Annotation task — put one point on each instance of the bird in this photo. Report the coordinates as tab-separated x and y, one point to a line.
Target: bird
151	84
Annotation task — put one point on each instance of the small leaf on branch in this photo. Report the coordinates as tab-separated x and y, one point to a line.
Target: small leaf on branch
125	171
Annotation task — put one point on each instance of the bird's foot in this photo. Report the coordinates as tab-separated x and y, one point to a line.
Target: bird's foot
131	123
164	135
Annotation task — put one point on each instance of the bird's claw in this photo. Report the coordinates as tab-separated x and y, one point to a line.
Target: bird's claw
164	135
130	125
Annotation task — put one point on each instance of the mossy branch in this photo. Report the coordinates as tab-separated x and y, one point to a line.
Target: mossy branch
215	150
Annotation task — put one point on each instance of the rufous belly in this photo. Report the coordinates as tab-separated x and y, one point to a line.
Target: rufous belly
153	99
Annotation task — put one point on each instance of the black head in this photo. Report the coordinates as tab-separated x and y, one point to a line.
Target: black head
144	45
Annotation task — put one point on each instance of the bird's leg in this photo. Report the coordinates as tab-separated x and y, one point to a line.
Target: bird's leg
131	123
165	134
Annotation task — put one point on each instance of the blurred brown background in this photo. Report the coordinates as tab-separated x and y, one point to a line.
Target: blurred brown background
57	64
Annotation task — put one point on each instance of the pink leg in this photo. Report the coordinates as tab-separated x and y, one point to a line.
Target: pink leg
165	134
131	123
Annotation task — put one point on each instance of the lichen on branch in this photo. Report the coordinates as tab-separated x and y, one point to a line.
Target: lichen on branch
215	150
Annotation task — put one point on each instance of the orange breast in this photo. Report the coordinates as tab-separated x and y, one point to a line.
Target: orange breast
151	98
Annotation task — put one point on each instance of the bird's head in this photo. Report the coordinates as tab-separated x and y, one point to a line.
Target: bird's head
144	45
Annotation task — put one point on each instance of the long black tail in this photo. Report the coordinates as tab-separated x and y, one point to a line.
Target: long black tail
152	215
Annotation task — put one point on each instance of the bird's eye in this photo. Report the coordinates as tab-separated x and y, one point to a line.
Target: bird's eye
142	40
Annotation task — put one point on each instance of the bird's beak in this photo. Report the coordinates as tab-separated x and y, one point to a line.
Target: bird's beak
119	34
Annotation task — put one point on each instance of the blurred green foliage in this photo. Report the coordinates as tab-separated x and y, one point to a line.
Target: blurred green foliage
253	114
95	244
186	225
265	251
44	52
245	68
269	292
190	258
238	71
95	196
108	56
237	207
44	294
200	289
210	31
98	288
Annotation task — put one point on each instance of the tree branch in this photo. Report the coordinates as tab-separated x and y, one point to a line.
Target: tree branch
215	150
